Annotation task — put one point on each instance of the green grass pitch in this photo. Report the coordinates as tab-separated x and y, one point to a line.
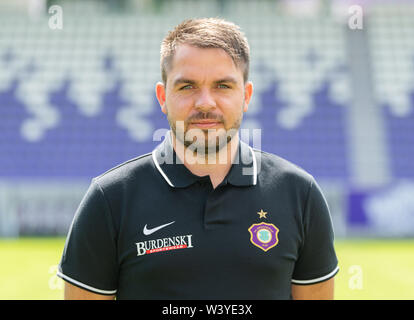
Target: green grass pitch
369	269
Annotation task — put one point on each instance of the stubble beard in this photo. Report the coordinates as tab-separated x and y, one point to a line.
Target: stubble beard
212	140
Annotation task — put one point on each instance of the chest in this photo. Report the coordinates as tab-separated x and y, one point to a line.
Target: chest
210	237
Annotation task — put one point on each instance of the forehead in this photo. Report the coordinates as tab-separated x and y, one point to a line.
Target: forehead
202	63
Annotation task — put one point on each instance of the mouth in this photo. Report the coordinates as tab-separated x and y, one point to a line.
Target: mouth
205	123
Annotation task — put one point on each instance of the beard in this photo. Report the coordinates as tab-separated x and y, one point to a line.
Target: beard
205	141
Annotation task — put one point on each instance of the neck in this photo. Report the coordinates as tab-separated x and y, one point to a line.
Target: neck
215	165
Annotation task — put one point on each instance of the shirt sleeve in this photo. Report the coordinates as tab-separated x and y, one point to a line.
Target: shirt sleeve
89	257
317	259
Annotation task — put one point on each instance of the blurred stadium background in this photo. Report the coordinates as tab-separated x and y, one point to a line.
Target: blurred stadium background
331	95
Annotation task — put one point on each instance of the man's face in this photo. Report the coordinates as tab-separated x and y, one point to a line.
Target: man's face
205	96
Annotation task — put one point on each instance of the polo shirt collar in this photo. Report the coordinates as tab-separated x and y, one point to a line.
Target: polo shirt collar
243	171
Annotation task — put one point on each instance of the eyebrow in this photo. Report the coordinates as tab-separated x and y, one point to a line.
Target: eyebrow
189	81
182	81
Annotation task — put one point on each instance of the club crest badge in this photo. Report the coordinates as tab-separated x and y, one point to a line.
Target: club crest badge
264	235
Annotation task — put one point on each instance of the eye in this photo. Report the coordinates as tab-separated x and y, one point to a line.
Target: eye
186	87
223	86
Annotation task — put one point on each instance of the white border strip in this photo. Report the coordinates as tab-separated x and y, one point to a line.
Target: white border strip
154	158
254	166
60	274
317	279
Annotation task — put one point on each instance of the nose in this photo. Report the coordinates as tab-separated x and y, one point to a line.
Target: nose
205	101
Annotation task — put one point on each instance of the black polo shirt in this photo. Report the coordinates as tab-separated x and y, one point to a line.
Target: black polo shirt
150	229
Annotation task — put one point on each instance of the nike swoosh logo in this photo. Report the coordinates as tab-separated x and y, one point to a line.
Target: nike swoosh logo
147	232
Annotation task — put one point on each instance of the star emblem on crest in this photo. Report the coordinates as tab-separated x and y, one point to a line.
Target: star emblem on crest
262	214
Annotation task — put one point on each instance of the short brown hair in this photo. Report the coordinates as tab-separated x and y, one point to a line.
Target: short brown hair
207	33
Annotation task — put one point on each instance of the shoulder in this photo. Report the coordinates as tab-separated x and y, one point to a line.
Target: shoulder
129	171
273	168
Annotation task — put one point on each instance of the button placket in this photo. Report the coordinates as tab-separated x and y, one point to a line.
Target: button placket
213	213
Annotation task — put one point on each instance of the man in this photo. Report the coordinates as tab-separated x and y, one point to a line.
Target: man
204	216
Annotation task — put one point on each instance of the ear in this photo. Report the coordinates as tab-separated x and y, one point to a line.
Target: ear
160	93
248	91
